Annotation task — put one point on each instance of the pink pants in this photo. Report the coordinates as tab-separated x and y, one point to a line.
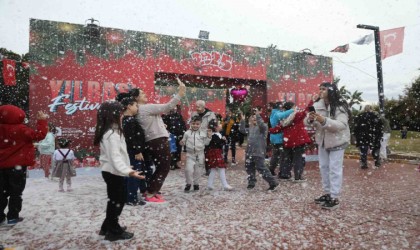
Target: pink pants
45	162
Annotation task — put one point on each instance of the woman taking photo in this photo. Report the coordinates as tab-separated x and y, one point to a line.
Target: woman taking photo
156	137
330	120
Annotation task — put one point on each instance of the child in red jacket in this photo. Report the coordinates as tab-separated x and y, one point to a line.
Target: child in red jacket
16	153
295	139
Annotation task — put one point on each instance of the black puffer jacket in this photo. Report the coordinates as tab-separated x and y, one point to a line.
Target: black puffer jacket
368	129
175	123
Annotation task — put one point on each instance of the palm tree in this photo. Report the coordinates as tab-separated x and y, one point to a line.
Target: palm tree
351	98
355	98
345	94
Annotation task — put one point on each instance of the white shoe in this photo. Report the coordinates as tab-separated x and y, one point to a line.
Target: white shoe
210	188
228	188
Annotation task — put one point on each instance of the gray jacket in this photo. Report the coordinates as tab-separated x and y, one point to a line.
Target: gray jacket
335	133
257	138
195	141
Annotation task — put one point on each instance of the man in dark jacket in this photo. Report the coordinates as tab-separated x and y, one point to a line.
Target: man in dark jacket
368	130
17	152
176	126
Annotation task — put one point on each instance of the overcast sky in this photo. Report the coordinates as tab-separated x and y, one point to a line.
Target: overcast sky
291	25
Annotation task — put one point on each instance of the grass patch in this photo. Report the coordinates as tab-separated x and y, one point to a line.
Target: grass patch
398	145
409	145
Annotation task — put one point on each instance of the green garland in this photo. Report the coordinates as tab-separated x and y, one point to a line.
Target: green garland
52	40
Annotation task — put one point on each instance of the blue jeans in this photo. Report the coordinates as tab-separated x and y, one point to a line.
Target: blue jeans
134	184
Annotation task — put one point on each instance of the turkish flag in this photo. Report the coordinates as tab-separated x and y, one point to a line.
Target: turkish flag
341	49
25	65
391	42
9	70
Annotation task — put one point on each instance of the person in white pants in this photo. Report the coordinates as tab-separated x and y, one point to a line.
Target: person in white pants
330	120
385	138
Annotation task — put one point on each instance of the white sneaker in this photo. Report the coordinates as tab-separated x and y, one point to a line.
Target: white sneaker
210	188
228	188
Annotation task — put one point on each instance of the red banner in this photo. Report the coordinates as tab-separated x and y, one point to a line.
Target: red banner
391	42
9	72
72	84
341	49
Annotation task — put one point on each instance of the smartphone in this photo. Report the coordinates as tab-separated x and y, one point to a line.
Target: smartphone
312	109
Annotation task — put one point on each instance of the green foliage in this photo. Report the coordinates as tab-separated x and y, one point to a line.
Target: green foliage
411	144
405	109
83	152
396	144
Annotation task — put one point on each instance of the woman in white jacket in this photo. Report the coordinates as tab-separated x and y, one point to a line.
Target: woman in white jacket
115	164
46	149
330	120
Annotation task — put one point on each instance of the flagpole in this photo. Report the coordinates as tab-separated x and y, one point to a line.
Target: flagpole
378	64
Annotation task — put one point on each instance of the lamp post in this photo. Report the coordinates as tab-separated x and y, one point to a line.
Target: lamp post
378	63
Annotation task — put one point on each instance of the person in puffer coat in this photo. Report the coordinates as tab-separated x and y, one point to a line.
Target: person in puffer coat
331	122
368	129
17	152
295	137
194	140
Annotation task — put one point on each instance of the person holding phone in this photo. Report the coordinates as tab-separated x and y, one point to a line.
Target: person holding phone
311	109
156	137
332	136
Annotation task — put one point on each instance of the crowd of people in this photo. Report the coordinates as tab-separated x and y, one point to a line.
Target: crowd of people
135	157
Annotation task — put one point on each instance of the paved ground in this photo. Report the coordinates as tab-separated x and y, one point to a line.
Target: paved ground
379	210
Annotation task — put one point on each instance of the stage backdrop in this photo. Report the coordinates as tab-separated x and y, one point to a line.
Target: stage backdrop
74	68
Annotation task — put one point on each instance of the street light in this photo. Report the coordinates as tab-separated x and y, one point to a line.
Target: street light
378	63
